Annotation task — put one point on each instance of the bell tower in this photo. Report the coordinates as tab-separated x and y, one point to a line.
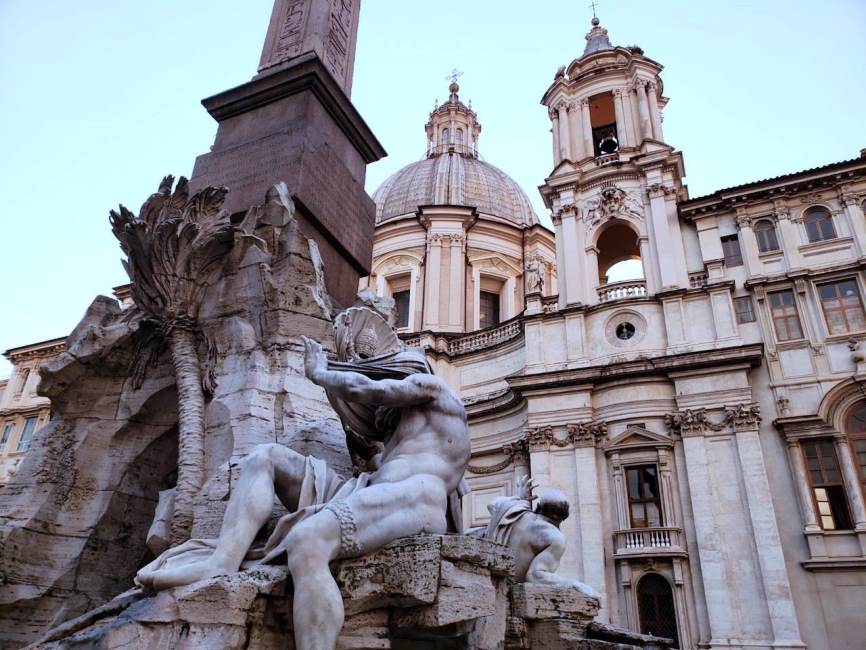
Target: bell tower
615	181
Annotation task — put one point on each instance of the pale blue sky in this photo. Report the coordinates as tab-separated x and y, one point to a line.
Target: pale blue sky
100	99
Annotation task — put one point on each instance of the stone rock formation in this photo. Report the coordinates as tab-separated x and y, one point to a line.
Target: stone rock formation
74	521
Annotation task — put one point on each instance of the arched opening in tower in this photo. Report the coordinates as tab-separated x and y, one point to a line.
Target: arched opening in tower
602	119
618	254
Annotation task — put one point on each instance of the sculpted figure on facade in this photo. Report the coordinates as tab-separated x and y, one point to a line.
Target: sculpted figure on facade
613	202
533	535
416	445
534	275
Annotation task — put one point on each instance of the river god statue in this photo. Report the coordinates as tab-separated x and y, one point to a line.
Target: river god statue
533	536
387	396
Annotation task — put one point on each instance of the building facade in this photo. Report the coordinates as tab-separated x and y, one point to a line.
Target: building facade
687	371
22	411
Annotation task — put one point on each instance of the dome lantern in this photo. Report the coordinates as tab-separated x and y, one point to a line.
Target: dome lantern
453	126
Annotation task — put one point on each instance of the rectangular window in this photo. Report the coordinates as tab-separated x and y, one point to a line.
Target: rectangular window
7	431
786	320
842	307
488	312
827	486
731	250
401	305
27	434
644	503
744	310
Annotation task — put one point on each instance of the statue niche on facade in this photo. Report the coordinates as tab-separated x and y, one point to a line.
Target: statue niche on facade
533	535
387	396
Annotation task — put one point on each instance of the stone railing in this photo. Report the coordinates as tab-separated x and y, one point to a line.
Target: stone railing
606	159
485	338
622	290
648	541
698	280
454	344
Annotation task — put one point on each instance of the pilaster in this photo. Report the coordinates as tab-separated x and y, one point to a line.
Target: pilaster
433	275
655	112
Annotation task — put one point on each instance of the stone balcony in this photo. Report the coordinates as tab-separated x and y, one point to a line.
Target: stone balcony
663	541
457	344
625	290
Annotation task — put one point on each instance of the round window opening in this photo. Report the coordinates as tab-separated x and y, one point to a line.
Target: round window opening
624	331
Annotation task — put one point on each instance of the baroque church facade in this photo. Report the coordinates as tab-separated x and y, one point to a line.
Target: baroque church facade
688	371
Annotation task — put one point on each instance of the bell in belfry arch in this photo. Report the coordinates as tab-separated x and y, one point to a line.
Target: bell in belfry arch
608	145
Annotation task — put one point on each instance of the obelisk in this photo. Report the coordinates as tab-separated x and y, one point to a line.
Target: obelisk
294	122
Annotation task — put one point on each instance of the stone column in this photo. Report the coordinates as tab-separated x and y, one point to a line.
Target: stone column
380	285
557	151
574	132
455	280
643	111
564	136
852	483
619	494
591	281
788	231
655	112
508	303
801	484
854	210
619	113
413	297
629	99
433	274
590	521
711	554
771	560
670	513
670	257
649	269
476	296
586	128
748	243
569	241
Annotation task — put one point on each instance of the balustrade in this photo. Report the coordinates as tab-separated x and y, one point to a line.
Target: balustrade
649	541
622	290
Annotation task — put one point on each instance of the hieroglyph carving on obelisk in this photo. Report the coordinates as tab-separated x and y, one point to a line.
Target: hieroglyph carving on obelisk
328	28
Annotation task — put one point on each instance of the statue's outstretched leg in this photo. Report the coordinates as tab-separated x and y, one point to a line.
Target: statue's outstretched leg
266	471
361	523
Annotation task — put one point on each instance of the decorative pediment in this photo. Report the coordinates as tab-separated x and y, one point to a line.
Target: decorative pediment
638	438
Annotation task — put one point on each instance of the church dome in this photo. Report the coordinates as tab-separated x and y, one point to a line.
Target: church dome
453	179
452	173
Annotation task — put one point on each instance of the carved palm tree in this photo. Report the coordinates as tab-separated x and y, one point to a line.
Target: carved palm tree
175	248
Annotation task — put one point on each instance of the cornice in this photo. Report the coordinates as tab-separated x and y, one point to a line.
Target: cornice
749	354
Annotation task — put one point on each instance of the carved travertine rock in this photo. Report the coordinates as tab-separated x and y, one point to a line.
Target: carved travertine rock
74	520
540	602
454	581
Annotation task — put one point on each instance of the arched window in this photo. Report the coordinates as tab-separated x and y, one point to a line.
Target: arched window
855	427
765	233
445	137
655	603
459	136
619	255
819	224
